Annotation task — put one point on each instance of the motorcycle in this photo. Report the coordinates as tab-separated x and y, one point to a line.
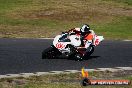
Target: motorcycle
69	45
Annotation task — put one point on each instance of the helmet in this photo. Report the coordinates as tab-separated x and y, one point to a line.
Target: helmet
85	29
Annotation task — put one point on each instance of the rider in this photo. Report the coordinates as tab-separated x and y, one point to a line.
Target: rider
85	33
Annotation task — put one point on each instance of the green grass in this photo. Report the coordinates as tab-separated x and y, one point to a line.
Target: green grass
129	2
47	18
71	80
121	29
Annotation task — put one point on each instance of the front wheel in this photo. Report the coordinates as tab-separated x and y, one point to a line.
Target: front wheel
50	53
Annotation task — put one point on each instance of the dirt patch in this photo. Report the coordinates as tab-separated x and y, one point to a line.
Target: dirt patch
122	73
66	15
84	10
21	31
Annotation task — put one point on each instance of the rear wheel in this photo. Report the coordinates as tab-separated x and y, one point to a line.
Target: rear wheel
75	54
89	51
78	57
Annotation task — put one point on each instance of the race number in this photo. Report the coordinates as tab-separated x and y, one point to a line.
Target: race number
60	45
96	42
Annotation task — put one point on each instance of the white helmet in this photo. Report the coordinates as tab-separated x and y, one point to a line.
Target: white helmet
85	28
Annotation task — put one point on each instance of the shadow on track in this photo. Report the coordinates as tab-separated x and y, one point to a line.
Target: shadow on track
90	57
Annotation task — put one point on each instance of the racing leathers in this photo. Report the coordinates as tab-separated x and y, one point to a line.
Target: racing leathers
87	39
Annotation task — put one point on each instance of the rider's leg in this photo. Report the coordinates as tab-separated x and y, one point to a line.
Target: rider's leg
82	42
88	43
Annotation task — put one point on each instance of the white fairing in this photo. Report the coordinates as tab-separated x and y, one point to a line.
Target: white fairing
97	40
55	41
59	45
75	40
101	38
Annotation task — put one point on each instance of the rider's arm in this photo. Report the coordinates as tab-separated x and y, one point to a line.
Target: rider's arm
92	32
71	30
74	31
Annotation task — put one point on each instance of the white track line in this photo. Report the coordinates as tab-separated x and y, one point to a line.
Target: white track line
65	71
127	40
45	38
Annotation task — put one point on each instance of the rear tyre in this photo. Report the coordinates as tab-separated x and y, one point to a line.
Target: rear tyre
74	54
89	51
78	57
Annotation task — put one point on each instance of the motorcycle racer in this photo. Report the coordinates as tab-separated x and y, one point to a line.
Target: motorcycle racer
77	43
85	33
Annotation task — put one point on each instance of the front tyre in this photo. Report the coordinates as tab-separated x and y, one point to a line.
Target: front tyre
50	53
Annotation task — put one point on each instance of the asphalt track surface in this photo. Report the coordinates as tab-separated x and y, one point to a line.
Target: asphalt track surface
24	56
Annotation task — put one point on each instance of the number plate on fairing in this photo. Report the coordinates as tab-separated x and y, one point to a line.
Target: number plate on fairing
60	45
96	40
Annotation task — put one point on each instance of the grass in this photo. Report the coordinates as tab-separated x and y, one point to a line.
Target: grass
118	29
128	2
71	80
47	18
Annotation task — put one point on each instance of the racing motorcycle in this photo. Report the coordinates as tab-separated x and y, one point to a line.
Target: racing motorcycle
68	45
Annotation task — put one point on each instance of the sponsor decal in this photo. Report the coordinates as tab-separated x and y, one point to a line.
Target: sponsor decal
86	81
109	82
